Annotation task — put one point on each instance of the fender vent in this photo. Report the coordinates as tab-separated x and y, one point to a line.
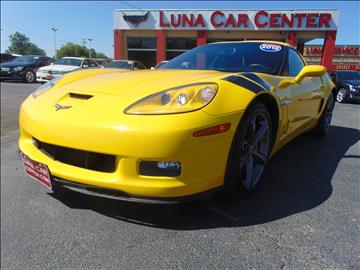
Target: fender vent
80	96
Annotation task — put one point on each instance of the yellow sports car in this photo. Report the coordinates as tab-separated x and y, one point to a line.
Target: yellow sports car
209	119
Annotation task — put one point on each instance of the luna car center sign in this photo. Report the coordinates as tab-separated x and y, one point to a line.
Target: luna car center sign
227	19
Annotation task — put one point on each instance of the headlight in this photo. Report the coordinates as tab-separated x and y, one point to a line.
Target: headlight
18	68
352	88
45	87
181	99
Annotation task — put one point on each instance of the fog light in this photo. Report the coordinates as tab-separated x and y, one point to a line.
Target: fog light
160	168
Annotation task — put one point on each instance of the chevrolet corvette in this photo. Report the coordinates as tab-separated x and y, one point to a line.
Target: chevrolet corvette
207	120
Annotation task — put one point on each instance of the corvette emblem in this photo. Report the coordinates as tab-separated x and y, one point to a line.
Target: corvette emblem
60	107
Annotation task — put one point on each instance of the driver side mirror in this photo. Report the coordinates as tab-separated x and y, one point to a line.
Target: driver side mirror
306	71
85	66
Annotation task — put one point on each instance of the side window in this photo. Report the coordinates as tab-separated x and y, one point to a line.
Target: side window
295	63
85	63
142	66
92	63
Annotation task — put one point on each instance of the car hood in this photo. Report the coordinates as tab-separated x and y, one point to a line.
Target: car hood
142	82
63	68
352	82
12	65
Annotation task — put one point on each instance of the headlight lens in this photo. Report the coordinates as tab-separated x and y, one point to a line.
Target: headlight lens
18	68
176	100
45	87
351	87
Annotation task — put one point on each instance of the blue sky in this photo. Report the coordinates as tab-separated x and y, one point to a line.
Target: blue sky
91	19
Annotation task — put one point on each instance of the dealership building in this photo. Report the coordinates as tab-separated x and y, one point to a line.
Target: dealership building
152	36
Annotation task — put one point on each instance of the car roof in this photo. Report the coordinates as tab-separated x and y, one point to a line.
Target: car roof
123	60
70	57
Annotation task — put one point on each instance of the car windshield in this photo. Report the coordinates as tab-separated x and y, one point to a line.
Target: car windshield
68	62
119	64
349	75
231	57
25	59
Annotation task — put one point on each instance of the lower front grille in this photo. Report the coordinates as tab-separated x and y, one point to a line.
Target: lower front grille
84	159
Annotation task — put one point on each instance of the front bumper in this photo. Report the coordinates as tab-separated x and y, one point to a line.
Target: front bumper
133	139
354	95
122	196
17	75
45	77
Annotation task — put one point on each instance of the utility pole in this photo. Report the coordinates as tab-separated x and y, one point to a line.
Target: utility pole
90	39
84	42
54	30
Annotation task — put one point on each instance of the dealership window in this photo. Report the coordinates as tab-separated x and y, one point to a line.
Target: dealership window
142	49
212	40
177	46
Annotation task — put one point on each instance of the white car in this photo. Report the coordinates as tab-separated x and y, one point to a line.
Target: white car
62	66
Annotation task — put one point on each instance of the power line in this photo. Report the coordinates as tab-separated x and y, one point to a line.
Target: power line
131	5
29	32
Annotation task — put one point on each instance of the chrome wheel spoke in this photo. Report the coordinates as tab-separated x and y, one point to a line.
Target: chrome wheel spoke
252	131
249	169
264	126
260	158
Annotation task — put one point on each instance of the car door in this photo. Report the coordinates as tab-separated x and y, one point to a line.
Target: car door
306	95
85	63
93	64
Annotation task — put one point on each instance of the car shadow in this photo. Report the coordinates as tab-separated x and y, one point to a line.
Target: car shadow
298	178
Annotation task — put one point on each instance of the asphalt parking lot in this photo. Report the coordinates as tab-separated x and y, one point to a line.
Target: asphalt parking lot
305	215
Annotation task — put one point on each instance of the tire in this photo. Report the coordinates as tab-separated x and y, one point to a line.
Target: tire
341	95
323	126
250	150
29	76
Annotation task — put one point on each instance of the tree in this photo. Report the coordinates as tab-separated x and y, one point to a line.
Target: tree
72	49
101	55
20	44
75	50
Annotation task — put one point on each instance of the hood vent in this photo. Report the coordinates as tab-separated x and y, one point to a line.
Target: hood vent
80	96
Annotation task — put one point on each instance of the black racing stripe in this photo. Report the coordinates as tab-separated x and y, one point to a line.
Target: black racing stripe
243	82
257	79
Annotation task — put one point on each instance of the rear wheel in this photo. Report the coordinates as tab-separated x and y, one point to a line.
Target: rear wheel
341	95
250	150
323	126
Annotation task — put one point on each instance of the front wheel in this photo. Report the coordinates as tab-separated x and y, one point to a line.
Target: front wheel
341	95
323	126
29	76
250	150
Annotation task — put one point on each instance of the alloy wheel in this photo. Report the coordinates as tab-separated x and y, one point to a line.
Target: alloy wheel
254	150
340	97
29	76
329	112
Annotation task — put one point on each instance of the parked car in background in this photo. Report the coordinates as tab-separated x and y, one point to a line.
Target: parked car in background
160	64
7	57
102	62
125	64
64	65
347	83
24	67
